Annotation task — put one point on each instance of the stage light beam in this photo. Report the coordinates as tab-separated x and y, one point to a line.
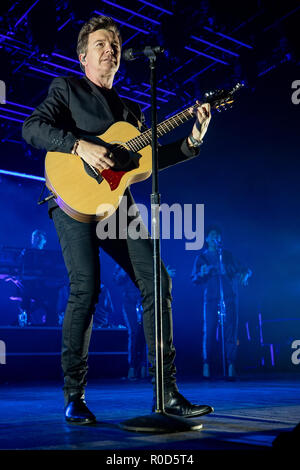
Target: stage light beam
206	55
131	11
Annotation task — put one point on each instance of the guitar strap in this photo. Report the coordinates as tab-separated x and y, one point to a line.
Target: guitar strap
96	92
140	123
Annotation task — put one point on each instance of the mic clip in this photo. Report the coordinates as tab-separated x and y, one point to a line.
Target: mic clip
149	51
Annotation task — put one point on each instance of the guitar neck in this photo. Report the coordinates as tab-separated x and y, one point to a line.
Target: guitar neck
217	100
138	143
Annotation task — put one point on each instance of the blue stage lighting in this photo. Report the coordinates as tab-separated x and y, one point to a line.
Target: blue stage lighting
22	175
19	105
160	89
10	118
228	37
206	55
13	112
61	67
129	39
26	13
138	101
198	73
214	45
131	11
43	71
156	7
64	57
63	25
124	23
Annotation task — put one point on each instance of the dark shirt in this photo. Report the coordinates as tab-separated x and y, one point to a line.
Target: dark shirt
115	104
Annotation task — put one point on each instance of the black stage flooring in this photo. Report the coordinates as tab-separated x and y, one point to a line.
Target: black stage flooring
249	414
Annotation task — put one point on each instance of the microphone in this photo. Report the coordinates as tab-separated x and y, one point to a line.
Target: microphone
148	51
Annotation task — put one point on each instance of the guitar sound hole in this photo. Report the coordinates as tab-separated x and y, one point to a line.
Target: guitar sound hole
125	159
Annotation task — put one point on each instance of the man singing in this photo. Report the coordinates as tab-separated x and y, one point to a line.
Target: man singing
74	110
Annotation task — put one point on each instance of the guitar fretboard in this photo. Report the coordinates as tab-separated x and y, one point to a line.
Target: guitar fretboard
141	141
217	99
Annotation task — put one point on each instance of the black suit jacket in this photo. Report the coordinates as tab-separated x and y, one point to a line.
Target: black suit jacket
76	108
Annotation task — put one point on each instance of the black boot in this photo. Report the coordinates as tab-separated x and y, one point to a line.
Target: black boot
76	411
177	404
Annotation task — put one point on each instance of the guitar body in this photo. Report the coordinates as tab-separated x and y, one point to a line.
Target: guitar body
78	193
81	191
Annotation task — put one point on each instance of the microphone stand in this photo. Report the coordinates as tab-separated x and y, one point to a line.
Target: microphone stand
159	421
222	306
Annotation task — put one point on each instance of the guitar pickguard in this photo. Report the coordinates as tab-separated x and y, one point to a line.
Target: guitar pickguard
126	161
96	175
113	178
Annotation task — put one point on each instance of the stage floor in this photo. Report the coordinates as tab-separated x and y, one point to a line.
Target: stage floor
249	414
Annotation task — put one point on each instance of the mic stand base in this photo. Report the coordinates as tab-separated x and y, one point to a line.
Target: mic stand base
160	423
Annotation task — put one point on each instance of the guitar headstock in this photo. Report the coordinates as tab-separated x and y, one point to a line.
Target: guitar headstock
221	100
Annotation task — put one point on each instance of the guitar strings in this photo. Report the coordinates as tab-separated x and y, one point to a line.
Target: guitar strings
162	128
146	137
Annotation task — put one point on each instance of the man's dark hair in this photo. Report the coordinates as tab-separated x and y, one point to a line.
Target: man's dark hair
92	25
212	227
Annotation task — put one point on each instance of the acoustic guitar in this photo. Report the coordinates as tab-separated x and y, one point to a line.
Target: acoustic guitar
80	190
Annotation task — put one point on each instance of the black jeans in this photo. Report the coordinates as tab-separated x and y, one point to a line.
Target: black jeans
80	247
